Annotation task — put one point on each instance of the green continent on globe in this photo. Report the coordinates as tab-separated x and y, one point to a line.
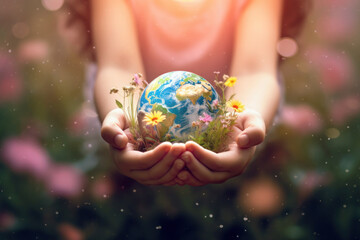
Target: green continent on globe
193	92
155	85
163	127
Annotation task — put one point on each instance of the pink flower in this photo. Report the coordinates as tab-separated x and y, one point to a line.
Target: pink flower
206	118
302	118
215	103
11	86
137	79
345	108
64	180
26	155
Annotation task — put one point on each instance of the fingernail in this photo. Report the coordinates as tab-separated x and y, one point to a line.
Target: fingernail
179	165
243	140
119	140
182	176
186	158
176	152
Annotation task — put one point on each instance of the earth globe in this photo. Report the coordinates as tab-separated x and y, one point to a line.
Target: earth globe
182	97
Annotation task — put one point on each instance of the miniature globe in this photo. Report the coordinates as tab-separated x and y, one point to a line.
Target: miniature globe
183	97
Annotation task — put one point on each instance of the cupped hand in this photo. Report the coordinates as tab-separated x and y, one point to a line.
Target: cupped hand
159	166
204	166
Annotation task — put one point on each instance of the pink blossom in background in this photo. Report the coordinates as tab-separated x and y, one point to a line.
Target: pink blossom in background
261	197
33	50
26	155
64	180
70	232
102	188
335	68
341	110
11	86
302	118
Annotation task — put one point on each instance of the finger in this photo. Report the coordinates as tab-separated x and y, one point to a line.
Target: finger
237	159
253	129
187	178
135	160
206	157
179	181
161	168
112	129
202	173
172	183
169	177
250	137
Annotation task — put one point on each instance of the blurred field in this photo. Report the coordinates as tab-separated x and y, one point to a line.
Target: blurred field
58	182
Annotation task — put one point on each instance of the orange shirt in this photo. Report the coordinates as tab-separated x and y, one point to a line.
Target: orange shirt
190	35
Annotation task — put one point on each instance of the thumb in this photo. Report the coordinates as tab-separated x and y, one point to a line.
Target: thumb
253	129
112	129
250	137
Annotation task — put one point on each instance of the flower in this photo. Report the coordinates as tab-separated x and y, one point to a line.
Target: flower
206	118
26	155
215	103
153	118
301	118
137	79
64	180
236	105
230	81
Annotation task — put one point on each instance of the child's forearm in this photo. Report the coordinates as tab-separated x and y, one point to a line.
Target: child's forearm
107	79
260	92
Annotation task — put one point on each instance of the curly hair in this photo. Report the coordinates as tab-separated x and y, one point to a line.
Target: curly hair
77	14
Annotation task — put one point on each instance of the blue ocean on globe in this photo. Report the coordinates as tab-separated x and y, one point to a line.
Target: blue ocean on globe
182	97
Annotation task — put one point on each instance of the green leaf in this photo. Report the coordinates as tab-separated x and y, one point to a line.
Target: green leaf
231	97
119	104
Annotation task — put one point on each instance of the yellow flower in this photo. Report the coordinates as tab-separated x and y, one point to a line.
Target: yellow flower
230	81
153	118
236	105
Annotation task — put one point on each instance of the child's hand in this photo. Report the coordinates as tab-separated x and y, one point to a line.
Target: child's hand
159	166
205	166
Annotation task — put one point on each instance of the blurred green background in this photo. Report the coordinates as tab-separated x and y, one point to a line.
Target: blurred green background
58	182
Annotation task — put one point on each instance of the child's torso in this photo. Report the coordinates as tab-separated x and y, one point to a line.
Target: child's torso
191	35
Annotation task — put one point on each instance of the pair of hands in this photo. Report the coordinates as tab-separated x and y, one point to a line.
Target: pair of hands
170	164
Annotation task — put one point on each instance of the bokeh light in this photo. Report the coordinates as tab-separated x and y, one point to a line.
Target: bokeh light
20	30
287	47
52	5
